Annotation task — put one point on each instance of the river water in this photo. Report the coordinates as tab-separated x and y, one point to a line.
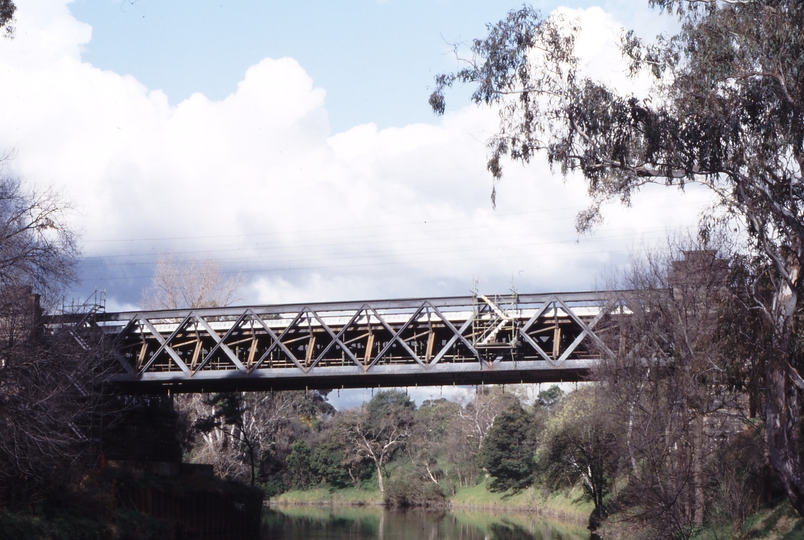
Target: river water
361	523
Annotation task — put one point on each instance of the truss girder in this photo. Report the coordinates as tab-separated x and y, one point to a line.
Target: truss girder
360	343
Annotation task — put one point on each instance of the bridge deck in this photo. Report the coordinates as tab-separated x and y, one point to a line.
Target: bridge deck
435	341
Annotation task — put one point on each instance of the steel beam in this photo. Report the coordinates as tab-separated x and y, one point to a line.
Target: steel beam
402	342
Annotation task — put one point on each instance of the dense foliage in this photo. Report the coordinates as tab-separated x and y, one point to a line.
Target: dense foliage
7	10
580	444
508	448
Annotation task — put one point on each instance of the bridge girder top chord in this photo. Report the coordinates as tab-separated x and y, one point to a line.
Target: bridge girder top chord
523	338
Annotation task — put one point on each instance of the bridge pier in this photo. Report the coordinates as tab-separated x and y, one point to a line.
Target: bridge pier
145	430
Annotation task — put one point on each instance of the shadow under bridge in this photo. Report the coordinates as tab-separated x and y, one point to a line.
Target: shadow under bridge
522	338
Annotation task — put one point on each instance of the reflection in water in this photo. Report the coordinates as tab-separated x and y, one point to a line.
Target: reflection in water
302	523
513	532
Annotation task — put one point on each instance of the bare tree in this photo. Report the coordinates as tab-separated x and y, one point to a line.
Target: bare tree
194	284
37	248
50	402
237	432
478	413
48	390
217	427
175	285
673	384
248	425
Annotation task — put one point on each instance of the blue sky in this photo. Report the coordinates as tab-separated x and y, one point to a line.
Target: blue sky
292	143
376	59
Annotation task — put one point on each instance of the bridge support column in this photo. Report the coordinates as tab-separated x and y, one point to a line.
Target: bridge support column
146	430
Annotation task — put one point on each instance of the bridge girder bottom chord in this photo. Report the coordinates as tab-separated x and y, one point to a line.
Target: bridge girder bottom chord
425	342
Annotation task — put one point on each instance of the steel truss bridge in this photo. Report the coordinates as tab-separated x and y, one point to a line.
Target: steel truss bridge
430	341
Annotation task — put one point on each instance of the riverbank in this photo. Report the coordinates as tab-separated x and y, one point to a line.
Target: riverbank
126	505
344	522
567	505
775	522
325	496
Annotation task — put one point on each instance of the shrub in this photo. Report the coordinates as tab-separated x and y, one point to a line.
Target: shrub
410	491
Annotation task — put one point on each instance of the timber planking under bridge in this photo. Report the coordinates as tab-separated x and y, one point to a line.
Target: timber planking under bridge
428	341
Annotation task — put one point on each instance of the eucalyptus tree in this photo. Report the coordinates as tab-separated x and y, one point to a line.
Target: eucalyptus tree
580	442
250	434
7	10
430	440
379	429
726	111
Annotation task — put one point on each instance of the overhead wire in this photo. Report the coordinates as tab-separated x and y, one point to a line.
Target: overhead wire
340	247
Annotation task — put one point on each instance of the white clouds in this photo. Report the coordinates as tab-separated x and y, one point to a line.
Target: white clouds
46	34
257	181
597	47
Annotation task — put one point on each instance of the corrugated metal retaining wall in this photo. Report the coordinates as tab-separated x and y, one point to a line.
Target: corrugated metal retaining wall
216	516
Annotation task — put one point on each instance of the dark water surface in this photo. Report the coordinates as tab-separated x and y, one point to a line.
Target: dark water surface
349	523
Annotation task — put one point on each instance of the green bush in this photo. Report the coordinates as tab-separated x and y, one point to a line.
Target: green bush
409	491
508	450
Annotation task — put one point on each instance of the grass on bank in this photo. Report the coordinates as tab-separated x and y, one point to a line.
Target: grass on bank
775	522
323	496
568	504
565	503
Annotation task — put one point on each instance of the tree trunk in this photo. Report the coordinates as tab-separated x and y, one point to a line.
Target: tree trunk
250	448
379	478
251	459
430	473
355	480
697	478
782	415
782	427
